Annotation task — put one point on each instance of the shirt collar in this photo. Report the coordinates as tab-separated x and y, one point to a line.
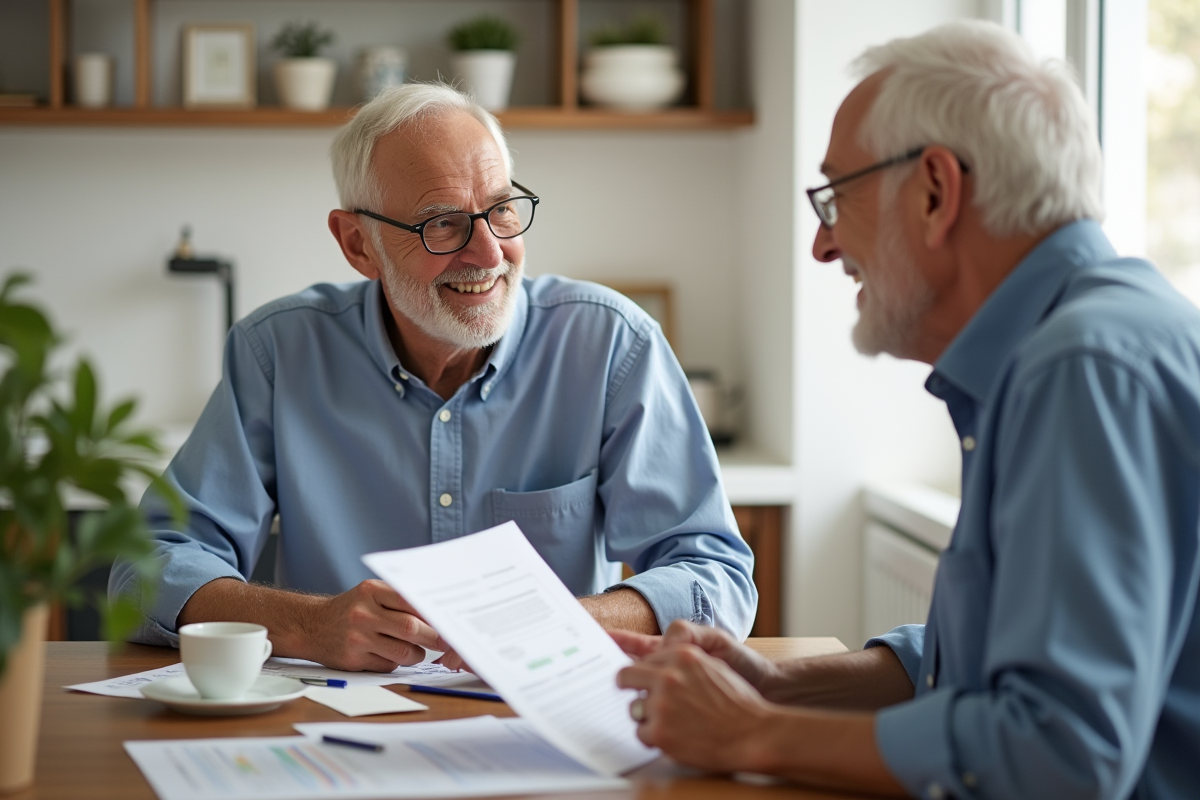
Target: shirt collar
974	360
380	346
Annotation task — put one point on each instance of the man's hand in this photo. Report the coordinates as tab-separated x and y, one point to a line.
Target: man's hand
696	708
369	627
756	669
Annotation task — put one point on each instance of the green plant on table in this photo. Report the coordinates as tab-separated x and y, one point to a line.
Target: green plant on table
54	437
483	33
301	40
642	29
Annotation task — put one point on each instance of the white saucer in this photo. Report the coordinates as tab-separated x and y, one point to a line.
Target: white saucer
268	692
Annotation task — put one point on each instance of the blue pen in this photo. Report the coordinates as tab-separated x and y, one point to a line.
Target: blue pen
477	694
374	748
336	683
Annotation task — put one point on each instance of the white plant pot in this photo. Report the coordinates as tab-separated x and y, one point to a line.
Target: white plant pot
631	77
486	75
305	84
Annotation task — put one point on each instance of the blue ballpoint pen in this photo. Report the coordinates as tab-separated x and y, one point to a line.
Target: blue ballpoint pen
336	683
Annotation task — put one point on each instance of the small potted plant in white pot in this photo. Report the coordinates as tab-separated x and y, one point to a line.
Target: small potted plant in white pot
484	58
303	79
55	436
631	67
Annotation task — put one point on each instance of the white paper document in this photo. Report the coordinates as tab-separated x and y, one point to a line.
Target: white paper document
493	598
360	701
456	758
425	672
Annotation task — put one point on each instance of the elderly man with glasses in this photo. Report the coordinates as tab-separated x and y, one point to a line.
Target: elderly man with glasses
444	395
1061	656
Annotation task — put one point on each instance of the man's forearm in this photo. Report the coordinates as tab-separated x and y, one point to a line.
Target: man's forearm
622	610
865	681
283	613
832	750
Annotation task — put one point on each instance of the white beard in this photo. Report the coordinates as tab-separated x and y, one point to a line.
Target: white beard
468	328
894	298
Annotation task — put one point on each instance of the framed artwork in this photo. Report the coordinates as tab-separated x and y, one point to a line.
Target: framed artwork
219	65
653	298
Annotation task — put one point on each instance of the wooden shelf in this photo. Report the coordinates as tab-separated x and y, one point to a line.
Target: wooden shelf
546	118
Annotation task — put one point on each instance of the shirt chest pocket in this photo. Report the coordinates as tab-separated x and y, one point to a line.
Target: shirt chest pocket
558	522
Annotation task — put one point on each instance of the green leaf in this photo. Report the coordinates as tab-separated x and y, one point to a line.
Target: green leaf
85	399
118	618
119	414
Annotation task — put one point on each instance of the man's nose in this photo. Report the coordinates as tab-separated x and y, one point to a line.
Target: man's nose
825	249
484	248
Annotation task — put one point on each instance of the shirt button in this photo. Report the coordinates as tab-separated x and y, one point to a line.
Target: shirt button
445	415
968	443
403	376
929	680
969	780
935	791
445	500
398	387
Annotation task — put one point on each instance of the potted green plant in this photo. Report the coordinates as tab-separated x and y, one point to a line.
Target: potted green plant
56	437
304	79
631	67
484	58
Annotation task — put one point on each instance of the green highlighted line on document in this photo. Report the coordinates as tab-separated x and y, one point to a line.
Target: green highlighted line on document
570	651
541	662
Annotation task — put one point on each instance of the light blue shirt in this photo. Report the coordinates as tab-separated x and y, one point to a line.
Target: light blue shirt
580	427
1061	657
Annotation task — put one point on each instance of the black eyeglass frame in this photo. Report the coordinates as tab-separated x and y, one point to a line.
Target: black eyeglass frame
819	207
419	228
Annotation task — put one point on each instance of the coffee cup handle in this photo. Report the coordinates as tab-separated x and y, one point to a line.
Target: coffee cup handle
266	650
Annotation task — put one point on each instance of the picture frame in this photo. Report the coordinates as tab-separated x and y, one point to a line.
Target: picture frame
656	299
219	65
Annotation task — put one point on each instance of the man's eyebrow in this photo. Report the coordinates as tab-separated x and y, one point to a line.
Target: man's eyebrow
437	208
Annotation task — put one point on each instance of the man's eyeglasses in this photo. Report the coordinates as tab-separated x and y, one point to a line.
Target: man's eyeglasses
824	199
449	233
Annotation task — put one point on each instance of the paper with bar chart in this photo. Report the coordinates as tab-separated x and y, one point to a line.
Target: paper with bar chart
502	608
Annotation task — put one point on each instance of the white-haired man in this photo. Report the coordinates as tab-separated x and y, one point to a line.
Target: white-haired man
442	396
1061	656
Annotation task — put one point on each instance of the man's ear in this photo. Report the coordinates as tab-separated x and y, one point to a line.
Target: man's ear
352	237
942	184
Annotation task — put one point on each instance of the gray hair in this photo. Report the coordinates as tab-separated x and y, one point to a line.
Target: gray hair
357	184
1021	126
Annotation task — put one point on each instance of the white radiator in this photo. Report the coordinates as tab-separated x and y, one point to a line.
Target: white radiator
907	526
899	580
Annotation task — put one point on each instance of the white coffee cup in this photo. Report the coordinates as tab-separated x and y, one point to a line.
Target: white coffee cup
223	659
93	80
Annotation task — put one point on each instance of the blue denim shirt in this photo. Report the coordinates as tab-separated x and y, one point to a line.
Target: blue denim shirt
1061	657
580	427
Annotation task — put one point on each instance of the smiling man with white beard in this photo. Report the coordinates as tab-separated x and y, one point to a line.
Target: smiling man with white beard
445	394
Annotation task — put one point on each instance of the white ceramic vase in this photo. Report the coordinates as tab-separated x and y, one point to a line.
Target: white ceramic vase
305	84
380	68
631	77
487	75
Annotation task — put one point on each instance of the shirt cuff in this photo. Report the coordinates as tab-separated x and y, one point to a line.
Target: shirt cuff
913	739
908	643
672	594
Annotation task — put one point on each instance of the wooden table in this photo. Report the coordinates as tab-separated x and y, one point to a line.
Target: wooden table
80	754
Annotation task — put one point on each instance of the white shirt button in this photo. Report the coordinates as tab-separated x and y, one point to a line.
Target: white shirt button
968	443
398	387
403	376
935	791
929	680
445	415
445	500
969	780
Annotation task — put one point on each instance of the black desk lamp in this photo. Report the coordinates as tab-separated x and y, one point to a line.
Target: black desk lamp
184	261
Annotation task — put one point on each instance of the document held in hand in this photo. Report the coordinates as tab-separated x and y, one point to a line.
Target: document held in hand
493	598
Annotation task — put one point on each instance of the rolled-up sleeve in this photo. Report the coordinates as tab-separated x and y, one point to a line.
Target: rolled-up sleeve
225	476
664	505
1092	507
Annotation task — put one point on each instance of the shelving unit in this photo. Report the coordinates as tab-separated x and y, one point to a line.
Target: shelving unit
699	113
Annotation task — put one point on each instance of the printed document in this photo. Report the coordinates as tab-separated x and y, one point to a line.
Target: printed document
455	758
493	598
